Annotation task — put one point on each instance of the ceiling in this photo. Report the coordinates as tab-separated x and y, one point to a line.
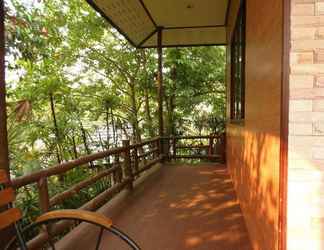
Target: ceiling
182	22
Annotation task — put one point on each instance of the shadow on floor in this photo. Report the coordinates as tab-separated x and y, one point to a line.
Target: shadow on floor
178	207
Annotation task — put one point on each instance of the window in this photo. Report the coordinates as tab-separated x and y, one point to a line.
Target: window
238	67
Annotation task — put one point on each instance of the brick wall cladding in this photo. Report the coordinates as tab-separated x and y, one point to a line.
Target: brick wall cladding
306	127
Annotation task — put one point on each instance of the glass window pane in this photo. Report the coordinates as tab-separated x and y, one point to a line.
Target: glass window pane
238	61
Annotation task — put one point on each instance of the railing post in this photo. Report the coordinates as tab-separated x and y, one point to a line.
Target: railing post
174	146
156	145
127	163
166	143
211	147
118	174
161	148
44	201
136	162
223	147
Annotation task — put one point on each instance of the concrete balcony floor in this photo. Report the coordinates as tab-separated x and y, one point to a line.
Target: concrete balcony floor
178	207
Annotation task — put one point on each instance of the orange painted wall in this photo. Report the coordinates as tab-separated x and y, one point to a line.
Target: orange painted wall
253	146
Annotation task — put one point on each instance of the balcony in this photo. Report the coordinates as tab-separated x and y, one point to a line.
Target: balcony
159	200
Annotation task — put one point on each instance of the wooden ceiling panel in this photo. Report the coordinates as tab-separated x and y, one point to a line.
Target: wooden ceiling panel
129	17
183	22
189	37
187	13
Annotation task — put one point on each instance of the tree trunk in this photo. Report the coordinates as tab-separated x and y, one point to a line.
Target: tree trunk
75	151
172	108
56	130
134	115
114	129
107	127
125	132
85	143
148	114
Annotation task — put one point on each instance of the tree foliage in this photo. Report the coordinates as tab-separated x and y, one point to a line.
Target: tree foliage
75	86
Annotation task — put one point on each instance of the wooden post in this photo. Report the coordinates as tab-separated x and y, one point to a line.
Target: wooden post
118	174
155	145
166	144
174	146
7	233
223	147
135	155
127	163
4	152
160	82
44	201
160	90
211	147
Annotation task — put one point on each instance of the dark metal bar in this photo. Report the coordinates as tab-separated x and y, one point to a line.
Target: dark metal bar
99	238
125	238
20	238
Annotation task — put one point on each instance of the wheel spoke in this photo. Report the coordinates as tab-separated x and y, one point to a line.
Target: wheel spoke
124	237
99	238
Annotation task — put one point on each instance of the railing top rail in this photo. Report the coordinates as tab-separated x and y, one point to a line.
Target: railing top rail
144	142
62	168
66	166
193	137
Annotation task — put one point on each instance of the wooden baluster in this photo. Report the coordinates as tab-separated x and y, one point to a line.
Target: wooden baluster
223	147
161	149
135	155
120	170
44	202
167	148
211	147
118	174
127	163
156	145
174	141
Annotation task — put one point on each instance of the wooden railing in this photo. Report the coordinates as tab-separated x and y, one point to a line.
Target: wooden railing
130	161
210	147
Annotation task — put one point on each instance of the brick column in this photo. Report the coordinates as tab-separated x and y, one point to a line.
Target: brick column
306	127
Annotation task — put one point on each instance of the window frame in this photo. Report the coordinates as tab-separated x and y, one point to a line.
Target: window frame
237	60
